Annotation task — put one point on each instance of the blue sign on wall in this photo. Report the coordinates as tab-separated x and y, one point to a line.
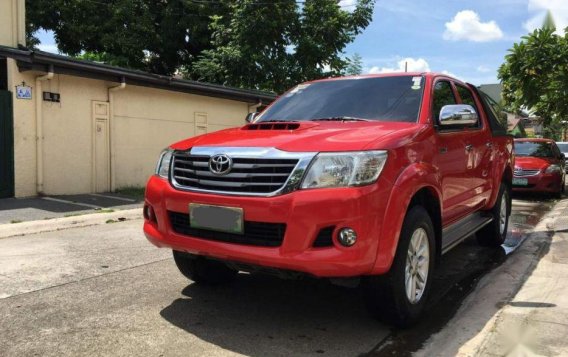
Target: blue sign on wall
23	92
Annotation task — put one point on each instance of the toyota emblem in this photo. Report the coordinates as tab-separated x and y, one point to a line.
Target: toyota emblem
220	164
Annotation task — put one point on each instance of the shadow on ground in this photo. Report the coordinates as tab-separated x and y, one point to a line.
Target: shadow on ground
259	315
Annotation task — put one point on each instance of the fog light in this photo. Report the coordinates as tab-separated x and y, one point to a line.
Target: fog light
149	213
347	237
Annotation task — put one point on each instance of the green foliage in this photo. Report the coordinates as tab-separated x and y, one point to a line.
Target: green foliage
535	76
272	47
269	45
156	36
354	65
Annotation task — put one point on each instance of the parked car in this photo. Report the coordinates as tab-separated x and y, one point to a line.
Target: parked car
539	167
563	147
359	179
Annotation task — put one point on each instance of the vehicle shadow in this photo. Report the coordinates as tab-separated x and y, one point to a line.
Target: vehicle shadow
260	315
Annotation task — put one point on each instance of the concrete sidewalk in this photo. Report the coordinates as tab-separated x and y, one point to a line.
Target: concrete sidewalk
535	322
520	308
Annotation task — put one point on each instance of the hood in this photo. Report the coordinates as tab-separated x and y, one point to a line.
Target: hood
309	136
533	163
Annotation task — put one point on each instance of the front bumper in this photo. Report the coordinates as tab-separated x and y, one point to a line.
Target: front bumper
305	213
542	182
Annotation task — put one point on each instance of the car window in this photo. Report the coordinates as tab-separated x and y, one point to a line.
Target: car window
443	95
497	122
536	149
396	98
563	147
467	98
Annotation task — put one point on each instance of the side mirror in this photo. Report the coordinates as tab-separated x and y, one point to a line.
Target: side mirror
250	117
458	114
563	155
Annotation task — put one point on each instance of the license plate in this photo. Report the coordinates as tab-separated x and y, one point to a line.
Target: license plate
520	181
216	218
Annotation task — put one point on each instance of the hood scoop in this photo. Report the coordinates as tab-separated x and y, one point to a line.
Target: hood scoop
272	126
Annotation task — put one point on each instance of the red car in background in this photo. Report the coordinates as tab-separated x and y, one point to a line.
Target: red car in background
539	166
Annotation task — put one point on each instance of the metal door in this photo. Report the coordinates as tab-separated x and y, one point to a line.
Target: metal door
6	145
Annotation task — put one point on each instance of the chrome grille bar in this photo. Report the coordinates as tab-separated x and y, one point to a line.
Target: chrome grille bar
255	171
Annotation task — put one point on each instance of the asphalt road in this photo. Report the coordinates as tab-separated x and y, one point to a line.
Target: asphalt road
105	290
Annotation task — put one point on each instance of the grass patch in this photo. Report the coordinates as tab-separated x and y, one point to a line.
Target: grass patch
134	192
16	221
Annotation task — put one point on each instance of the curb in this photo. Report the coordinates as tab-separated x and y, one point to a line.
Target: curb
57	224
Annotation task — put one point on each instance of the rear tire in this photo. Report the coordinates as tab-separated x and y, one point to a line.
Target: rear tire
399	297
561	191
494	234
203	271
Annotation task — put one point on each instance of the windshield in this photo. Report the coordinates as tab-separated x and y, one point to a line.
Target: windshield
377	98
563	147
527	148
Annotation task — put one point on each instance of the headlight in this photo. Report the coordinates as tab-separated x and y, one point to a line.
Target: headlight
553	169
342	169
163	166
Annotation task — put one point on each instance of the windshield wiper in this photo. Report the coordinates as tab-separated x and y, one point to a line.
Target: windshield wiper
340	118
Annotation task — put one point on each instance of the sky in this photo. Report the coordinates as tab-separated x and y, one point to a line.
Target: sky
464	38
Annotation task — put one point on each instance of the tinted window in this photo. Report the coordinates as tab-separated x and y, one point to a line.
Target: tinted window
497	121
467	97
380	98
443	95
529	148
563	147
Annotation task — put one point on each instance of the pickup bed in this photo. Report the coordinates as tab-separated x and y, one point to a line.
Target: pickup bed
358	179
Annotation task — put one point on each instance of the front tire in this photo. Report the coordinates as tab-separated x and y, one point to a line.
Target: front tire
400	296
494	234
203	271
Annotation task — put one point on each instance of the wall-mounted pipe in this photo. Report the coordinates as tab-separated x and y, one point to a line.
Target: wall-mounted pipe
253	107
112	144
39	127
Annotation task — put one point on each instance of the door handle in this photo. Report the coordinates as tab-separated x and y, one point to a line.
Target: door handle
468	147
489	144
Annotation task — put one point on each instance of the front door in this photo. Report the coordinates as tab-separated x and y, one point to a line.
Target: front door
452	158
6	145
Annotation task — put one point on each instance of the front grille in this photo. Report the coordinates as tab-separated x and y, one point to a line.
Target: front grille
525	172
247	175
260	234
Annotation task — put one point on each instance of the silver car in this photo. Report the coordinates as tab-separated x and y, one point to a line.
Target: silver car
563	146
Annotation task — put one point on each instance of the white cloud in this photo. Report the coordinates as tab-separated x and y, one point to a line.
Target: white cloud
467	25
483	69
48	48
414	65
348	5
558	8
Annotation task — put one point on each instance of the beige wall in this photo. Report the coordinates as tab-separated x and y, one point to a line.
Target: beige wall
144	121
147	120
12	22
24	133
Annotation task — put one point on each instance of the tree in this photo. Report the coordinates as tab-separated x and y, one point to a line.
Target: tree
157	36
535	76
263	44
273	47
354	65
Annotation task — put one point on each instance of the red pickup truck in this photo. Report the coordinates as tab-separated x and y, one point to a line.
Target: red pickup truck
359	179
